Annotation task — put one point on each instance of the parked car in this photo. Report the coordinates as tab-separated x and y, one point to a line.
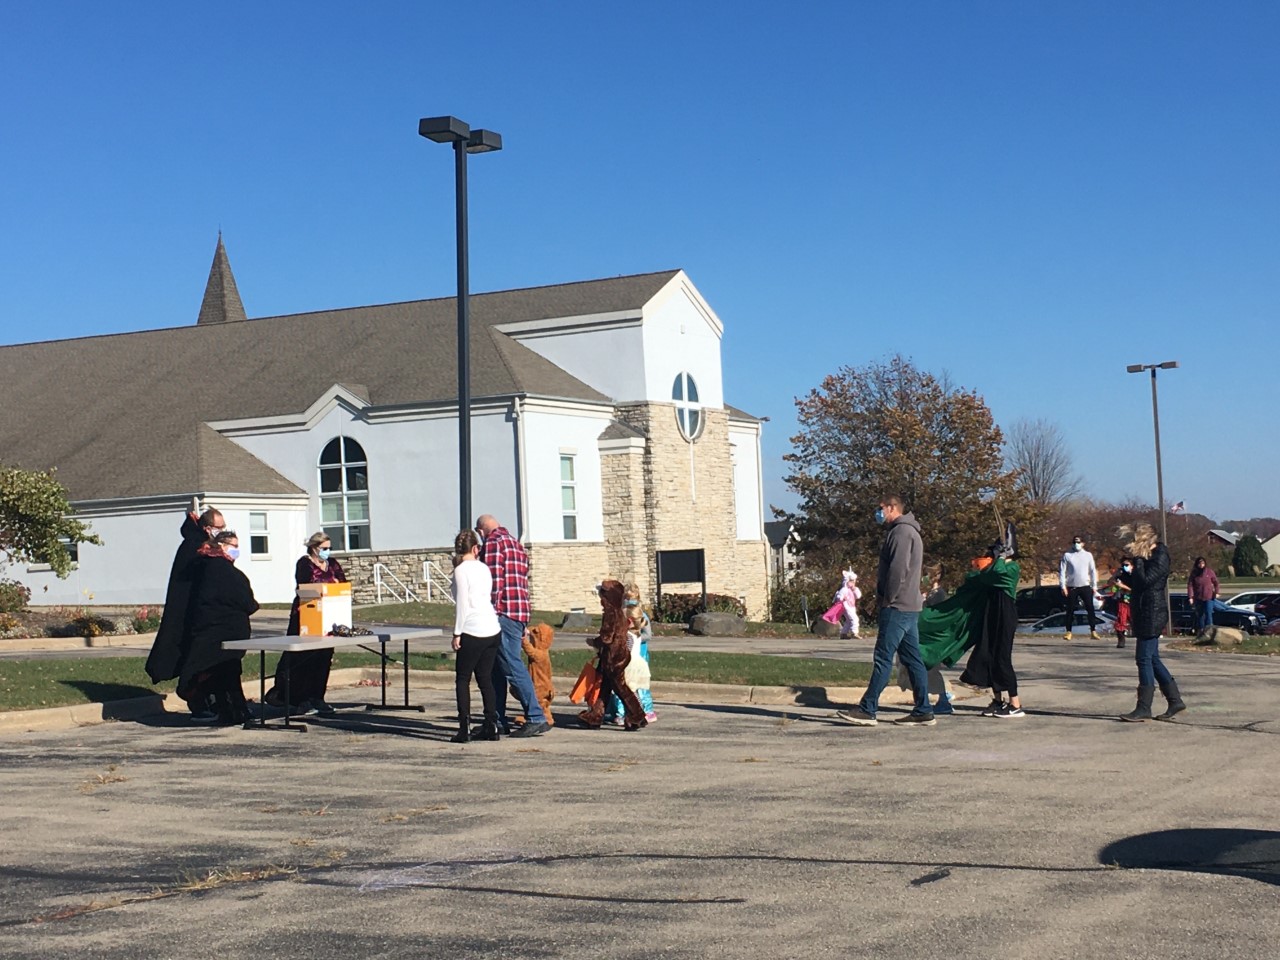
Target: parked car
1033	603
1058	622
1247	600
1268	607
1184	616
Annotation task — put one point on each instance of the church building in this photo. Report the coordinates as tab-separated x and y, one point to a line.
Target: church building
600	436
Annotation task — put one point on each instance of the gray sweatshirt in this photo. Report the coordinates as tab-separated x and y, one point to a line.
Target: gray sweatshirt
901	557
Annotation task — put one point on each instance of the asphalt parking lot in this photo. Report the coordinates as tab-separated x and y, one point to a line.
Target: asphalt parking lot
719	831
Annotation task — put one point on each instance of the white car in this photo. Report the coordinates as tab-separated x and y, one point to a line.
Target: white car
1057	624
1245	601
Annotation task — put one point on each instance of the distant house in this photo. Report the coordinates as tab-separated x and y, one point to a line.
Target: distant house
1222	538
1271	545
600	436
783	561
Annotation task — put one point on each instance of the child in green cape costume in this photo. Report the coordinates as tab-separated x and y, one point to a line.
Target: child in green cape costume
956	624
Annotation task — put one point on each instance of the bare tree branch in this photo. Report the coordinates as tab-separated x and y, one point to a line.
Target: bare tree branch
1038	451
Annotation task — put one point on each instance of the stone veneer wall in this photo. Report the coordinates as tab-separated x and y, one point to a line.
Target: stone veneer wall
405	564
564	575
688	508
626	524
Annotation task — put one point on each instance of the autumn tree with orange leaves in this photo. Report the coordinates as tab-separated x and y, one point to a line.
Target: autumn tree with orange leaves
891	428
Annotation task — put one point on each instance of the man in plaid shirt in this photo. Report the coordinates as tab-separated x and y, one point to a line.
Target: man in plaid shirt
506	559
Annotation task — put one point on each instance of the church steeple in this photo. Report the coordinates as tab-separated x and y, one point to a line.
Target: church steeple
221	298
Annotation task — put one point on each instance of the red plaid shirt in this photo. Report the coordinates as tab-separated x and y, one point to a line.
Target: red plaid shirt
509	564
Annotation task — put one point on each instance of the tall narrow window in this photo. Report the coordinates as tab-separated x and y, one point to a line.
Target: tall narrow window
684	392
569	497
259	536
344	494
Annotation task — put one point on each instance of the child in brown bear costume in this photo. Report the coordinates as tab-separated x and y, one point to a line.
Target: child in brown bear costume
614	657
537	648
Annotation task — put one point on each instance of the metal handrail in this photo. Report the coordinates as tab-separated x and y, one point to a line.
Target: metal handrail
436	580
381	574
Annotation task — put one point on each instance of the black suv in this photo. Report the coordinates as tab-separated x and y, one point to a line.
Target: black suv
1184	616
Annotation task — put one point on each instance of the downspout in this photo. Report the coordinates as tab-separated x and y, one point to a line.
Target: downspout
760	480
522	477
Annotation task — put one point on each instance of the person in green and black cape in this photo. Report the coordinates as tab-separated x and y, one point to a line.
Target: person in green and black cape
980	617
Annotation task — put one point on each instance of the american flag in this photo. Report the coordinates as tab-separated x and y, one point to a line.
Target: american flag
1179	507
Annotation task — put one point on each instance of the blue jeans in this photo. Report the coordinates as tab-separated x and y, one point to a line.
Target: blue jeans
1204	615
897	633
1150	667
509	669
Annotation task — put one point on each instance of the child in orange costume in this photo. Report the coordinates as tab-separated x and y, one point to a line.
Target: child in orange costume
537	642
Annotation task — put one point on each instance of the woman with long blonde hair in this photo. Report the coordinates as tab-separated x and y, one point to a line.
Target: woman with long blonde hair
1148	583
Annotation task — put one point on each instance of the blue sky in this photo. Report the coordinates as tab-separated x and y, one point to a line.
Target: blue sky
1028	196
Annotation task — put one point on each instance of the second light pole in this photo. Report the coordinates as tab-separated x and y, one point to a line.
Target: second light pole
1155	417
465	141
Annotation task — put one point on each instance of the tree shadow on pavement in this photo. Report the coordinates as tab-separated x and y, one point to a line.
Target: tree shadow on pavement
1254	854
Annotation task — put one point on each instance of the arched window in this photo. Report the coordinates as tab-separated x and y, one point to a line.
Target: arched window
344	494
688	413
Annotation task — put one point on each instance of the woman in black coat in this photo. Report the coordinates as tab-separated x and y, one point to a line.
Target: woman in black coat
1149	615
307	671
221	604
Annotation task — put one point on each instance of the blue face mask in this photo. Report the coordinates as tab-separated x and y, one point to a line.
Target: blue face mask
233	553
323	554
1127	568
879	514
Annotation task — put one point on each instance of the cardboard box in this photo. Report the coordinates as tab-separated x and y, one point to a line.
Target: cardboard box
321	606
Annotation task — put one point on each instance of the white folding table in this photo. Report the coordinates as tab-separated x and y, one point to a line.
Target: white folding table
295	644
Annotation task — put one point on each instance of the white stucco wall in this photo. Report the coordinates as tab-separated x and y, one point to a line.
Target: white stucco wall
413	470
132	564
548	434
678	338
609	359
747	495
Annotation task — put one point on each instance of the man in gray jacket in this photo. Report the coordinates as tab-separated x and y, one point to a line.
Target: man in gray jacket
899	599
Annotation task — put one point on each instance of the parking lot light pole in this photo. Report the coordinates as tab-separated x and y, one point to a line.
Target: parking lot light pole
1155	417
465	141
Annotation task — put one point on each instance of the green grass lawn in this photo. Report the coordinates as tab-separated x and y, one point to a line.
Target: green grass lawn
441	614
32	684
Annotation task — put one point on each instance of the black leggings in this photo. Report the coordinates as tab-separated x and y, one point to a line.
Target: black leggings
475	659
1002	675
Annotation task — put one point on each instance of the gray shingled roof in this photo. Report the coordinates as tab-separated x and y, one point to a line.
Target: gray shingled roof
121	415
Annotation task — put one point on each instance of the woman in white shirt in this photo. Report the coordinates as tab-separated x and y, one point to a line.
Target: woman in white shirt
475	636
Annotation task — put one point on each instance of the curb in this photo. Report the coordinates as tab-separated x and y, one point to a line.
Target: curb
23	644
88	714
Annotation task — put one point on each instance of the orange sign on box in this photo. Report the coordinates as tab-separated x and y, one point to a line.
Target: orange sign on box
321	606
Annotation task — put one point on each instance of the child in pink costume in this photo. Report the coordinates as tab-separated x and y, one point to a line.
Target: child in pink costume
848	596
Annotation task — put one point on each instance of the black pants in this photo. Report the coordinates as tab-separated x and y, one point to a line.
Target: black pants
219	689
308	673
1085	596
475	659
1002	676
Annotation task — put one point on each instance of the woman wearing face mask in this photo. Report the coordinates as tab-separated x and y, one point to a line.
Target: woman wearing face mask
308	671
221	604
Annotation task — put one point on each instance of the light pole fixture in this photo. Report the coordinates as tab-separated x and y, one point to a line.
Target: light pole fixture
1155	417
465	141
